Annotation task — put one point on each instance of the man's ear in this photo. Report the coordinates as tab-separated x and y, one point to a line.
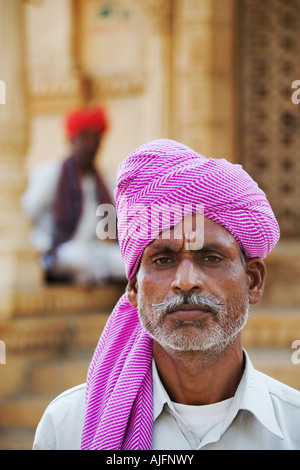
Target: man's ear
256	271
131	291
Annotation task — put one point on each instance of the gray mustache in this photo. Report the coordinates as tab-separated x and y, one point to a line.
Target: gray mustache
193	298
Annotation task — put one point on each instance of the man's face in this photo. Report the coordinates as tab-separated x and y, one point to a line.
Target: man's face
192	300
85	146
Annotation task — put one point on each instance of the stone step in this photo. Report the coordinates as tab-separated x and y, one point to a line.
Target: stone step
57	376
52	334
16	439
23	412
277	363
270	327
283	274
34	342
58	300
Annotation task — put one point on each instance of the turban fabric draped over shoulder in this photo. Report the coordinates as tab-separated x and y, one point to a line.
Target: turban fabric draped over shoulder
158	174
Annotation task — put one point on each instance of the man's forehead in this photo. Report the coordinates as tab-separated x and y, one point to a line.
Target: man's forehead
190	231
205	233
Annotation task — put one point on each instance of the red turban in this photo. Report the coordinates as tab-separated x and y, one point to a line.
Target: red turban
88	118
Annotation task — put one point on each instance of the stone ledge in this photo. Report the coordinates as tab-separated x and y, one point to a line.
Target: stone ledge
23	412
272	327
16	439
25	335
265	328
277	363
283	274
58	300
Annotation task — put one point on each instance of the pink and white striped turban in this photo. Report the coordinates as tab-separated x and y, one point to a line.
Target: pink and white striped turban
166	173
158	174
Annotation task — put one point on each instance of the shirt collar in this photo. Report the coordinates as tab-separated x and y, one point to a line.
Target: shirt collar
160	396
252	395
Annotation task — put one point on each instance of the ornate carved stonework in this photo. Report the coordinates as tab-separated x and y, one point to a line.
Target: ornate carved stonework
203	76
119	85
56	93
270	122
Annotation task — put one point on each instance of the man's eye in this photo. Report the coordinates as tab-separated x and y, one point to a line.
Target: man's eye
212	259
162	261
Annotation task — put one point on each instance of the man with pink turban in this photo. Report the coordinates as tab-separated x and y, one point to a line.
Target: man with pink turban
169	371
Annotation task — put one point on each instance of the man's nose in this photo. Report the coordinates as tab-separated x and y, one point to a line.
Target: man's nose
188	276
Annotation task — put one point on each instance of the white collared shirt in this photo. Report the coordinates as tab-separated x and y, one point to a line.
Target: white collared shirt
264	414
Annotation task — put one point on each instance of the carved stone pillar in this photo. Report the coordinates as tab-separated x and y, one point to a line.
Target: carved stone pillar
203	91
55	80
19	269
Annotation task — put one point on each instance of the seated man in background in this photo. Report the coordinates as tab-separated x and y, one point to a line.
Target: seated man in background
169	371
62	198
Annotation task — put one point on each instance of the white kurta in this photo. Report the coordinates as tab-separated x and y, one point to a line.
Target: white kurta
85	257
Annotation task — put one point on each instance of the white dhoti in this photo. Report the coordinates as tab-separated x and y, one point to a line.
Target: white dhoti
90	262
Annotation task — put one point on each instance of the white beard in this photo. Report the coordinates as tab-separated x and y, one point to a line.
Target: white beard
213	333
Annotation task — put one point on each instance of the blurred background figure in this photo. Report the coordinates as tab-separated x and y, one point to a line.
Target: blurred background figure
61	200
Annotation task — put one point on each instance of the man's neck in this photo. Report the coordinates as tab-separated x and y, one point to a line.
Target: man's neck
201	377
